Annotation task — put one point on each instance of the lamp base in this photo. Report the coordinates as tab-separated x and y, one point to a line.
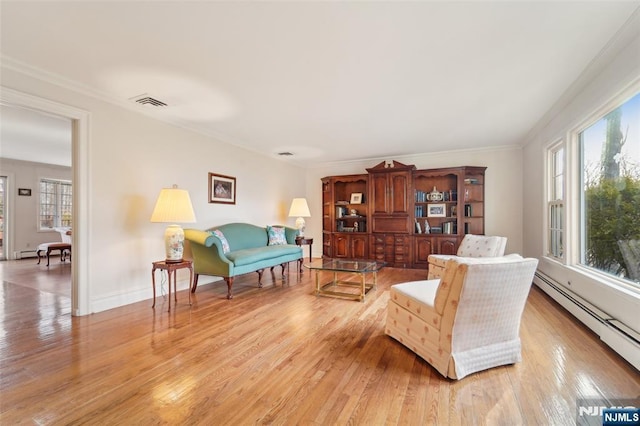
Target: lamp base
301	226
174	243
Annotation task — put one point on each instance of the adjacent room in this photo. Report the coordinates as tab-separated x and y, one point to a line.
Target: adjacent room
373	212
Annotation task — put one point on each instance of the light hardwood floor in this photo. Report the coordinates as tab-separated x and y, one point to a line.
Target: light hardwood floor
276	355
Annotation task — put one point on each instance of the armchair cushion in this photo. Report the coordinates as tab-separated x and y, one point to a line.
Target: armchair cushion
418	297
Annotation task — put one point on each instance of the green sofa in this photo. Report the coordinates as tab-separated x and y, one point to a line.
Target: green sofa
248	251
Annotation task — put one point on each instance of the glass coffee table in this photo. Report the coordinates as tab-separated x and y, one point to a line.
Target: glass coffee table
339	288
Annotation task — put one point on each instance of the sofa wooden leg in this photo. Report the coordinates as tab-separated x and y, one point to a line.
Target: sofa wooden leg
300	265
229	281
195	283
282	265
260	271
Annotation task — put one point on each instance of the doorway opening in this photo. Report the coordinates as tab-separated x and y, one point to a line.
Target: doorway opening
80	281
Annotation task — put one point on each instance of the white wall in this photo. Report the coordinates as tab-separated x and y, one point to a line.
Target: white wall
23	215
622	69
503	188
131	157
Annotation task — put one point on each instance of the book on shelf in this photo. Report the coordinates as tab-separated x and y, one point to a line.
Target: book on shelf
447	228
421	196
450	227
471	181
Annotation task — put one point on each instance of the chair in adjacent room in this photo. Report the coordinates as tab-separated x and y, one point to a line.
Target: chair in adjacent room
64	246
467	321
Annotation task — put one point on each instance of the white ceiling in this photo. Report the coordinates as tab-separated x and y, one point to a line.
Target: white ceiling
33	136
326	81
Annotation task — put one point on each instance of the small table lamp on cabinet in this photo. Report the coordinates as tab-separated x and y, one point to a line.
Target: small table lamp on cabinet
299	209
173	205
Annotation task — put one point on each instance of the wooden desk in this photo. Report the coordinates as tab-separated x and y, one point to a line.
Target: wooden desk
171	268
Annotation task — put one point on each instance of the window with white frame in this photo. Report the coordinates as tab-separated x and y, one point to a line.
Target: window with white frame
609	150
55	204
555	202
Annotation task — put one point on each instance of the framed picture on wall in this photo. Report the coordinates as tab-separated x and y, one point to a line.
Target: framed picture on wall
24	192
222	189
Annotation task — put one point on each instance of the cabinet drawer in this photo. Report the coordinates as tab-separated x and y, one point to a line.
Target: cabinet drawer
391	224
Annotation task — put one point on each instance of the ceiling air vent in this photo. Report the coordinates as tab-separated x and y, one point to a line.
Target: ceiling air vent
145	99
285	154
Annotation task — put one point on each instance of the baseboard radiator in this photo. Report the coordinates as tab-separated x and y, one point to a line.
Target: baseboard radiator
620	337
24	254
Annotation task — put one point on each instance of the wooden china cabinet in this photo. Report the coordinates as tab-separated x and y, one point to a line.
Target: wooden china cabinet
345	216
391	221
400	215
448	203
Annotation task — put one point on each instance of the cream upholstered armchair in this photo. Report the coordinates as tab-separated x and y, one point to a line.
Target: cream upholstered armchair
471	246
467	321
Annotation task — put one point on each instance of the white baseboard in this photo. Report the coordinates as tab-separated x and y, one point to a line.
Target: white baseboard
116	300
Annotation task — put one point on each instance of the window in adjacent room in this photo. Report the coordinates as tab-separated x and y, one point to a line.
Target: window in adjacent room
55	204
555	202
610	192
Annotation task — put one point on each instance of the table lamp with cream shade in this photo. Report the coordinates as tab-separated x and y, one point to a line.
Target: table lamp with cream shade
299	209
173	206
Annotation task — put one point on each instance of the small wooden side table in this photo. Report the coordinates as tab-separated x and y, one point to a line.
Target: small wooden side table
305	241
171	268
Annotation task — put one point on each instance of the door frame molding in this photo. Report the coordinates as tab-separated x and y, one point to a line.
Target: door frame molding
80	277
